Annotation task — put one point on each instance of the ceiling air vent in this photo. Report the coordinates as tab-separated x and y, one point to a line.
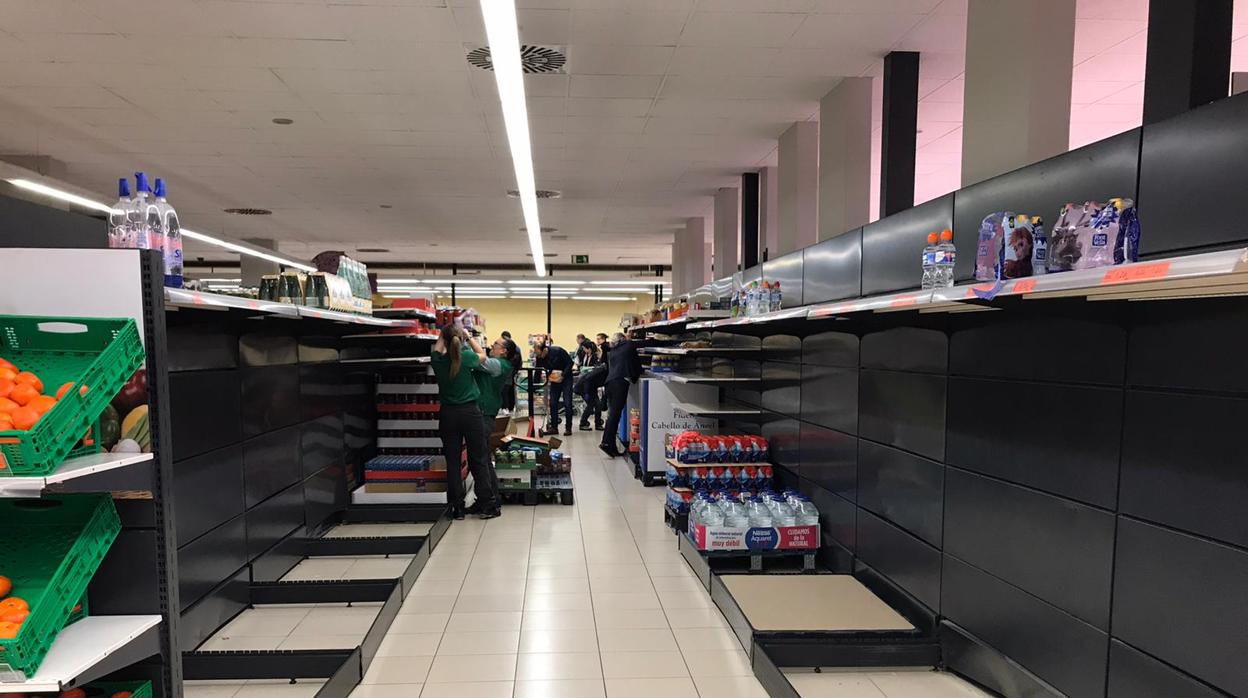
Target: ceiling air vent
534	59
249	211
541	194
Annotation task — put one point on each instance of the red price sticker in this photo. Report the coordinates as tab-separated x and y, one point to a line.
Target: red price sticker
1024	286
1131	273
197	299
903	302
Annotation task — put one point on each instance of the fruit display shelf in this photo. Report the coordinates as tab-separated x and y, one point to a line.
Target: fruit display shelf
92	647
72	469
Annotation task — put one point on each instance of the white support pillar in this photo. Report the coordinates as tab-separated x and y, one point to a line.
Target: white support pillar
727	231
689	263
1016	104
799	188
252	268
845	157
768	212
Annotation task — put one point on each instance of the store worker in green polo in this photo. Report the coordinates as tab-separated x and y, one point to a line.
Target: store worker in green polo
453	358
494	376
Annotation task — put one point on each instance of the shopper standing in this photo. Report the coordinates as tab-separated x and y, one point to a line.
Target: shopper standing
558	364
592	376
493	377
623	369
453	358
509	390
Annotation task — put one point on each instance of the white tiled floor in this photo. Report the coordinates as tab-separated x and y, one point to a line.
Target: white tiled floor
584	601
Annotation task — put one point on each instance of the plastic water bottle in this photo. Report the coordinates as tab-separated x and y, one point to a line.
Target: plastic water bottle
171	237
776	297
805	512
145	217
946	258
759	514
781	512
929	263
711	514
118	218
734	513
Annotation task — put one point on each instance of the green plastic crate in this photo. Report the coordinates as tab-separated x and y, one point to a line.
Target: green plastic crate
101	356
106	689
50	548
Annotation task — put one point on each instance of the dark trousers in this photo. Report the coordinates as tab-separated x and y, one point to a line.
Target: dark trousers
461	427
560	393
589	393
488	422
617	398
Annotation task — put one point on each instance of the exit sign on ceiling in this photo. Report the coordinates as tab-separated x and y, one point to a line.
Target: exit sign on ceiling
580	259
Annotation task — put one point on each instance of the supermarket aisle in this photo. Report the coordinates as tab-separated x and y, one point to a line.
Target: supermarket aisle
576	602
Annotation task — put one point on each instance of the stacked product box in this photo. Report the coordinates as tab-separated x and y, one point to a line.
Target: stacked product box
533	463
725	486
409	450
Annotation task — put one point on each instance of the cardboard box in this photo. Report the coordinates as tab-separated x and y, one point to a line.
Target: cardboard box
744	538
544	442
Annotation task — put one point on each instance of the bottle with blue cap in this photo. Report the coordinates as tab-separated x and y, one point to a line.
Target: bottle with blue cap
170	236
147	217
118	218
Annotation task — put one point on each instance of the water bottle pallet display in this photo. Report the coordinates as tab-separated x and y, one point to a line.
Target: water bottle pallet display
800	560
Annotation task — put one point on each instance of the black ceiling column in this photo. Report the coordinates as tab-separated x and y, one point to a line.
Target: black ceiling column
901	124
749	220
1189	55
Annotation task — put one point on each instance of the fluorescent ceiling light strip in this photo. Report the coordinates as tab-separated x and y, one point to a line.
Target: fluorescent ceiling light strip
504	38
552	282
55	193
620	289
233	247
602	298
464	282
629	282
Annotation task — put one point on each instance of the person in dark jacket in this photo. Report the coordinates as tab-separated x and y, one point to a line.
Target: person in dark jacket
592	377
623	369
558	364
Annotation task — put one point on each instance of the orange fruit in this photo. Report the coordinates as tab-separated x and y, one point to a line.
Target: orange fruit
18	617
6	387
24	417
7	405
14	603
42	404
6	585
23	393
8	374
122	694
5	363
8	631
30	379
6	421
74	693
60	392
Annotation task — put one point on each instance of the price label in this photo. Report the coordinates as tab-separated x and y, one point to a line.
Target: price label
1132	273
904	301
1024	286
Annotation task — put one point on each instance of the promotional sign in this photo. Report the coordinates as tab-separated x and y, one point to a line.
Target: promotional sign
743	538
661	416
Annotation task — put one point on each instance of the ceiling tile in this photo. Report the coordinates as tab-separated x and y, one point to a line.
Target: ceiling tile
621	86
768	29
608	106
590	59
622	27
722	60
855	31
